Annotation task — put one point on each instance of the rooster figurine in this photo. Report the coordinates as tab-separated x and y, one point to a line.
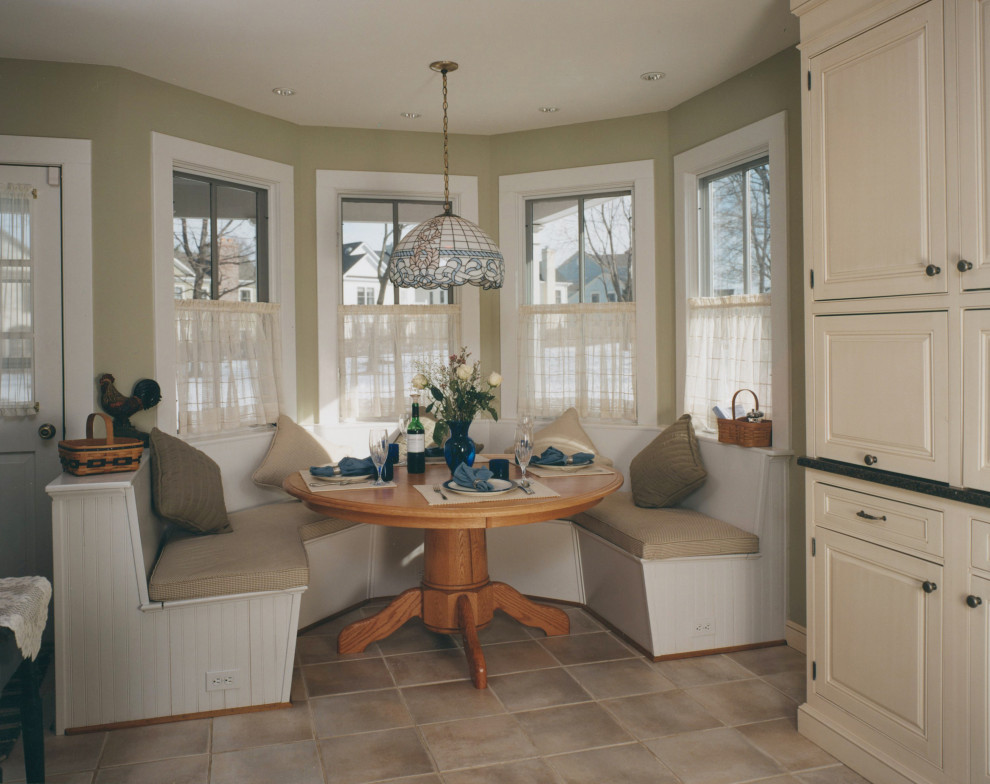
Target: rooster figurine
146	394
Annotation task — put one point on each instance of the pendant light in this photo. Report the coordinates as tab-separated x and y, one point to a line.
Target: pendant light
446	250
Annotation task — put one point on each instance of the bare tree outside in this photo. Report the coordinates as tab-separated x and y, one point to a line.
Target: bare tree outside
607	240
237	241
739	231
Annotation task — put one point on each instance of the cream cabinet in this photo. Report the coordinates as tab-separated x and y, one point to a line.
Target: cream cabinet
881	391
871	601
877	146
978	602
976	399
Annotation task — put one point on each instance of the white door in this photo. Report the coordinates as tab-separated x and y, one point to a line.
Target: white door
877	161
30	364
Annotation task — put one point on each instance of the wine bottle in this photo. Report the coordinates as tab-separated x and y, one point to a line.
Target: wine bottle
415	443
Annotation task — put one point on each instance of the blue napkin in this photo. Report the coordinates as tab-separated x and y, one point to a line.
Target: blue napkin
477	478
349	466
554	457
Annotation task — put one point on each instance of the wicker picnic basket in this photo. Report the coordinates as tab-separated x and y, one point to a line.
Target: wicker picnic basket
85	456
743	432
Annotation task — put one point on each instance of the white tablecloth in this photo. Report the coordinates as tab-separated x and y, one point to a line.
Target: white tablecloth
24	610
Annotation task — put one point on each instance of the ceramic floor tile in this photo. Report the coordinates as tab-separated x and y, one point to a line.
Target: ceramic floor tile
503	629
156	741
438	702
83	777
414	669
263	728
663	713
298	691
781	740
629	764
571	728
413	637
182	770
744	702
374	756
470	743
295	762
318	649
346	676
509	657
793	684
429	778
770	661
537	689
586	648
581	622
838	774
334	625
622	678
719	756
534	771
367	711
63	754
702	670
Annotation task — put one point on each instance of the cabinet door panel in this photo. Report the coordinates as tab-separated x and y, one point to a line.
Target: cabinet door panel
881	386
973	45
979	630
878	160
976	399
878	639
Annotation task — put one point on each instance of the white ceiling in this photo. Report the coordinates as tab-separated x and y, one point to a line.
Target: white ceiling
361	63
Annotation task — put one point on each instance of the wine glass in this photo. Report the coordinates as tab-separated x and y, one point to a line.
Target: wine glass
378	446
523	440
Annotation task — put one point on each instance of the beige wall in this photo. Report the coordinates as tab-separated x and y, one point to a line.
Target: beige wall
119	109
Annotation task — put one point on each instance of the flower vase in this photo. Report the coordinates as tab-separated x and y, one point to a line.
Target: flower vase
458	448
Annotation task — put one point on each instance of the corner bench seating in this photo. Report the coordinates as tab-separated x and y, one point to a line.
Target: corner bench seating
145	615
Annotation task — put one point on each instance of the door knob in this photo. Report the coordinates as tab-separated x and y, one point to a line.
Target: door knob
47	431
929	587
973	601
964	266
931	270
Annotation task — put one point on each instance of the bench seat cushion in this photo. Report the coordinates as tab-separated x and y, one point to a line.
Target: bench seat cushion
653	534
263	553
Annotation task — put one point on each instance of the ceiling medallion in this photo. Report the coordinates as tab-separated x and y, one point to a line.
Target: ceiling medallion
446	250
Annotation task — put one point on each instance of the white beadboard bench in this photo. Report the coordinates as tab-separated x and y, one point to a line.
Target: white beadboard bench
122	658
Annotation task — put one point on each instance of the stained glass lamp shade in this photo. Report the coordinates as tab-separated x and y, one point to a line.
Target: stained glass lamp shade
446	250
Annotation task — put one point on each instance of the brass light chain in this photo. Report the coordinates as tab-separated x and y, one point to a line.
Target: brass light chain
446	176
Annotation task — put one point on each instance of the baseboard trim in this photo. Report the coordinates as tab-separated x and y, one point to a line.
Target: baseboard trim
796	636
120	725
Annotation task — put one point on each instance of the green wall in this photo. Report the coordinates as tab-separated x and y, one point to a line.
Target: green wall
118	110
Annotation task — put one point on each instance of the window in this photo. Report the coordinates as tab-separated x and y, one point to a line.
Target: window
577	311
370	341
224	301
732	332
17	358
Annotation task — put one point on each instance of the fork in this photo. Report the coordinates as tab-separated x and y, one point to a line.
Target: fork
438	489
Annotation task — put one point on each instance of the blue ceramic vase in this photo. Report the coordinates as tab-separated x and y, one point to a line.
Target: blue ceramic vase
458	448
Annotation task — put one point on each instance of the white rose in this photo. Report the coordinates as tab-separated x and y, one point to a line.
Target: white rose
419	381
494	379
463	372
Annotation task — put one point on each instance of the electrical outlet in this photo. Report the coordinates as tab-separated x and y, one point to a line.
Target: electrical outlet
220	680
703	627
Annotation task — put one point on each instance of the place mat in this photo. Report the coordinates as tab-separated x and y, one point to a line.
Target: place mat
434	499
315	485
589	470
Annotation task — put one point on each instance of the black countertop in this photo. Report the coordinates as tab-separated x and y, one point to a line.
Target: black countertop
901	481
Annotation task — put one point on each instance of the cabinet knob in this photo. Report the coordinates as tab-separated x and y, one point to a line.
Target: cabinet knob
964	266
931	270
870	459
973	601
929	587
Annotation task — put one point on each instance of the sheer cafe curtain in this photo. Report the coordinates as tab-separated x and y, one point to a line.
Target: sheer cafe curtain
378	348
728	349
580	355
228	365
17	396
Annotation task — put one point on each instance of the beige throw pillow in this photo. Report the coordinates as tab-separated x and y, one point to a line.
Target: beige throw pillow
292	449
186	486
566	434
669	468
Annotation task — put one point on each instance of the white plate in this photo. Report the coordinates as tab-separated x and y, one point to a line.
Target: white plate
562	468
342	480
499	486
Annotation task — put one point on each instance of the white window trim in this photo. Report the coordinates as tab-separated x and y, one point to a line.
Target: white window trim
331	187
514	190
768	136
74	156
169	154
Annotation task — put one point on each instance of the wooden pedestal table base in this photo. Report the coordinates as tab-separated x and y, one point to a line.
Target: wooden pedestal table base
455	597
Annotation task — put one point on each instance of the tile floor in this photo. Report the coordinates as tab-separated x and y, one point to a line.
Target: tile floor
582	709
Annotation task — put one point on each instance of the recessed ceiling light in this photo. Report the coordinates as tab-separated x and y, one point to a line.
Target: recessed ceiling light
652	76
549	109
411	115
286	91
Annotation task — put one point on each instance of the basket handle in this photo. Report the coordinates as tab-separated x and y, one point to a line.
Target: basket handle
108	425
733	403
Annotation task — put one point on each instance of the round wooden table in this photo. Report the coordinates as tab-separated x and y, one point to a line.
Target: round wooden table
456	596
